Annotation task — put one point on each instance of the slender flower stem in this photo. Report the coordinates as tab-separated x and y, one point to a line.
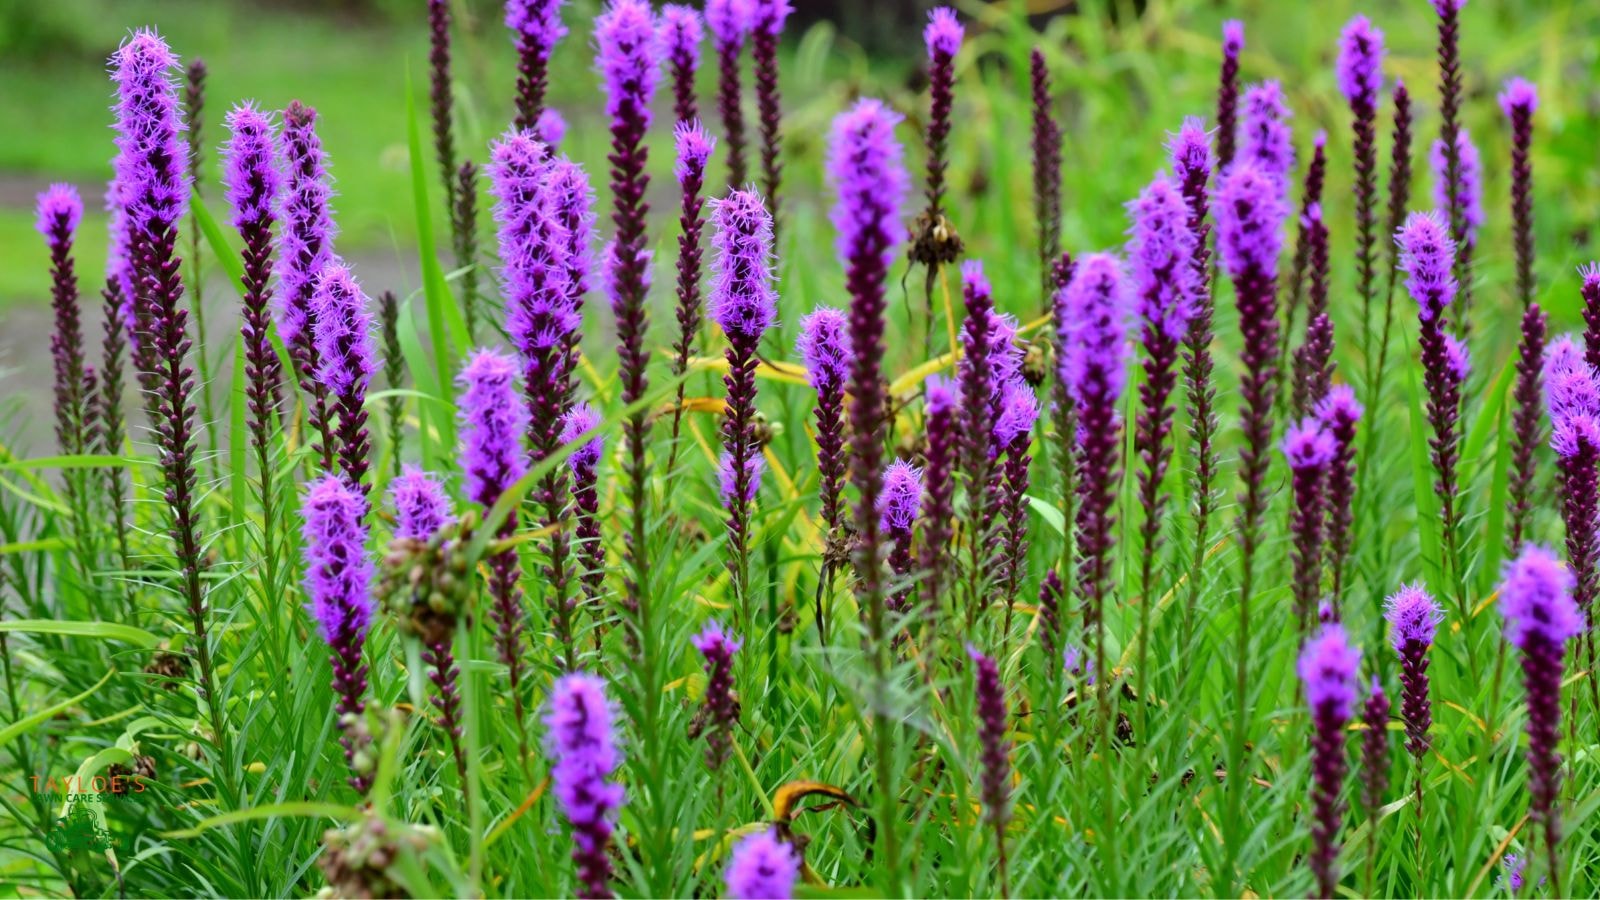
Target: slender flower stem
1328	666
694	148
1190	151
1228	92
194	95
681	33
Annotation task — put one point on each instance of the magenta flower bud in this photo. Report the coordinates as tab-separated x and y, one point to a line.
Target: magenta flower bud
694	146
721	707
943	33
493	421
1458	358
901	499
1360	65
338	580
551	128
1328	666
1519	100
680	38
762	866
419	502
1265	138
1413	618
1540	617
1228	92
1520	97
824	348
584	755
1466	192
535	28
1340	412
59	210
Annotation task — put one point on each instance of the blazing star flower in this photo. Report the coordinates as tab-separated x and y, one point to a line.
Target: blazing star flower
584	755
493	422
347	358
762	867
1328	666
338	580
1160	253
535	27
582	423
1360	64
1467	192
722	709
1413	617
1265	138
419	502
1228	91
901	499
680	37
992	726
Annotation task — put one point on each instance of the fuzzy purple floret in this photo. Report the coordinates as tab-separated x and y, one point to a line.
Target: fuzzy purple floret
580	422
738	482
680	35
1094	331
1328	666
628	56
824	347
943	33
694	146
1427	254
901	499
1160	255
419	502
1519	97
730	21
1250	215
1308	445
768	16
152	156
1019	410
1467	193
583	750
762	866
308	228
743	299
343	332
339	570
536	24
533	246
1265	138
1360	65
251	175
59	208
494	419
1232	37
1536	600
868	174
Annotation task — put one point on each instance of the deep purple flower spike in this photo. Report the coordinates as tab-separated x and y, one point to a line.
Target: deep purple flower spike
898	507
940	423
1161	250
1046	170
59	212
1328	667
420	505
1590	292
1574	405
1092	364
346	361
744	304
1399	201
694	147
721	706
1360	76
730	22
1228	92
1340	412
1013	429
582	423
582	744
338	580
943	36
766	22
1413	618
1427	256
1265	138
1313	359
1527	423
441	103
305	249
493	421
762	866
1540	615
1374	761
535	28
1310	450
1460	194
980	378
993	724
681	34
1449	165
1311	231
824	348
1519	101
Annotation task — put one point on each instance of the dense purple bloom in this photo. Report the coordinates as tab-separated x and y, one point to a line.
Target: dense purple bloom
1519	96
1228	92
721	707
59	212
1328	667
1574	403
1309	449
1518	101
824	348
627	57
338	580
308	223
901	499
943	33
1466	193
867	172
1360	65
1019	410
738	481
1265	138
993	723
1426	255
1250	216
493	421
535	28
694	148
680	38
420	505
347	359
1413	619
730	22
250	171
1340	412
1536	601
584	755
582	422
1160	256
151	155
762	866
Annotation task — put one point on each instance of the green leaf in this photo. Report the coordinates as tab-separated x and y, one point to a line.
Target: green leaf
1050	514
23	725
227	257
443	313
111	631
271	811
238	469
77	461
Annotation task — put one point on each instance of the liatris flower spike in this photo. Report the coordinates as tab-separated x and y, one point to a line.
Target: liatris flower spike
681	34
766	26
721	711
1340	412
1310	450
1574	403
943	36
338	580
938	504
441	102
59	212
1519	101
1046	170
306	249
420	505
1462	192
1328	667
898	507
347	359
980	395
1413	618
493	421
584	755
824	348
1540	616
1265	138
1590	273
582	423
1527	420
1013	427
694	147
535	28
1360	76
762	866
730	22
1228	91
993	723
1374	762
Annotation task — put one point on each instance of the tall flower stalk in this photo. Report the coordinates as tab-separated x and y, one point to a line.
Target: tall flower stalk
824	347
721	709
347	359
1013	431
1313	359
936	243
441	103
766	27
1519	101
1328	667
731	22
1448	149
627	58
1340	412
1413	619
1399	200
681	34
581	425
1460	193
1266	140
1360	77
154	190
338	581
1374	767
1046	171
869	181
535	28
1527	423
1305	243
584	755
306	247
744	304
110	433
394	374
1540	617
1310	451
1574	404
939	486
993	723
694	147
1190	153
1228	92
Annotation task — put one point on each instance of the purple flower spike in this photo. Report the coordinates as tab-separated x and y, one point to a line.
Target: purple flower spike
59	209
680	38
1520	96
535	28
1518	101
582	423
937	243
1265	138
338	580
1250	217
869	181
1228	92
824	348
347	358
943	33
1574	395
1360	65
898	507
584	755
1413	618
721	707
1328	666
628	54
1467	191
993	723
493	421
1536	601
1046	150
1019	410
551	128
736	483
767	25
762	867
152	157
59	212
420	505
1374	751
1309	449
1340	412
940	420
1527	418
694	147
730	22
305	249
1426	255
